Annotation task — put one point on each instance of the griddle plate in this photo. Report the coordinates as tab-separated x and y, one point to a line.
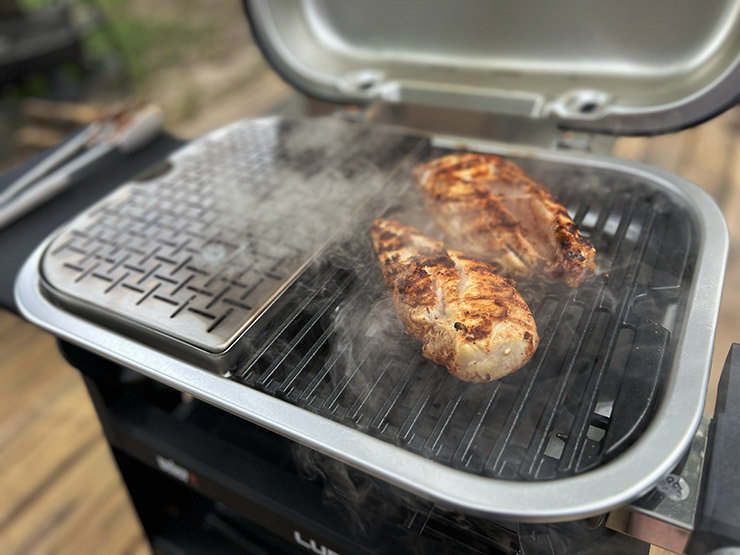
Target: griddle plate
197	253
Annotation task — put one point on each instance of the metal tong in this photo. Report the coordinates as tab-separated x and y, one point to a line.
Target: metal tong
125	129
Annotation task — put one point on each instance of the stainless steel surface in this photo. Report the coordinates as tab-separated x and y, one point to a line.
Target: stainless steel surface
192	257
624	67
666	517
482	126
624	479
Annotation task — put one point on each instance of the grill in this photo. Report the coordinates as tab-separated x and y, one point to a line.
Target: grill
181	258
241	272
199	275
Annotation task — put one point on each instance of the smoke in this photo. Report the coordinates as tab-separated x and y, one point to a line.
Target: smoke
274	192
388	518
355	493
375	511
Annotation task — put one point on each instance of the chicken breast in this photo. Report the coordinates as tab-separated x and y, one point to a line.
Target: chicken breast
490	209
469	318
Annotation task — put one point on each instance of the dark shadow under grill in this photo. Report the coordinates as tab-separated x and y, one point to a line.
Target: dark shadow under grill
333	345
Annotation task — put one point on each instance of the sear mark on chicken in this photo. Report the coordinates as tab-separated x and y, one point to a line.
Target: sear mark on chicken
469	319
490	209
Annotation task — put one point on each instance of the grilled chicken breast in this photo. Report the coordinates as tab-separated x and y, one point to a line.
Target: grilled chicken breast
490	209
469	319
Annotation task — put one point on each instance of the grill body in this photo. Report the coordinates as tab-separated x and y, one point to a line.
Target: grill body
211	278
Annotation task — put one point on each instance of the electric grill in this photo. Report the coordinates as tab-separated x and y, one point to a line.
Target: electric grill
240	271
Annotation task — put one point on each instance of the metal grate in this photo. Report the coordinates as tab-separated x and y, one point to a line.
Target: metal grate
335	348
192	255
195	250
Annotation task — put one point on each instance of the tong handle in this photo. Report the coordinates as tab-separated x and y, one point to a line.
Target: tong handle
144	126
74	160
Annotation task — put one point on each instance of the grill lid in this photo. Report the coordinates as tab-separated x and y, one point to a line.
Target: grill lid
614	67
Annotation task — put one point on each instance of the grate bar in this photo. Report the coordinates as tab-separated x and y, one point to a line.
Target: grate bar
310	391
407	431
287	383
401	386
354	411
341	387
554	404
577	433
496	459
445	418
474	428
297	311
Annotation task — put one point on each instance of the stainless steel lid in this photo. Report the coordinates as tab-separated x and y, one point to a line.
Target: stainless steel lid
626	67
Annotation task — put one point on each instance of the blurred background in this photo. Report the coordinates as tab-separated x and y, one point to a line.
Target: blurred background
61	64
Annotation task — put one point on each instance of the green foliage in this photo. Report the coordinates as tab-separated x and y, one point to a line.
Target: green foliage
154	34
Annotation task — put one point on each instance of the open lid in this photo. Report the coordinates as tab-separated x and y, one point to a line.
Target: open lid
628	67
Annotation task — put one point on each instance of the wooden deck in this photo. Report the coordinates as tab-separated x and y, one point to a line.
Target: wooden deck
61	492
60	489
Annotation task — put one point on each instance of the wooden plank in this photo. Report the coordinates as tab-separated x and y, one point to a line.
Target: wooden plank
633	148
706	162
61	490
32	374
38	137
59	521
731	205
17	336
667	151
728	324
68	426
65	112
266	91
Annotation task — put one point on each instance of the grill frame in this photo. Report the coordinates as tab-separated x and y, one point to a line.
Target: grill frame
627	477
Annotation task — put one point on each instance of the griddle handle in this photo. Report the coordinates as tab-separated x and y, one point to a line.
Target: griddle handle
717	522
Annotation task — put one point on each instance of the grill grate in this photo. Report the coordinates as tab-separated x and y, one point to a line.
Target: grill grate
334	347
